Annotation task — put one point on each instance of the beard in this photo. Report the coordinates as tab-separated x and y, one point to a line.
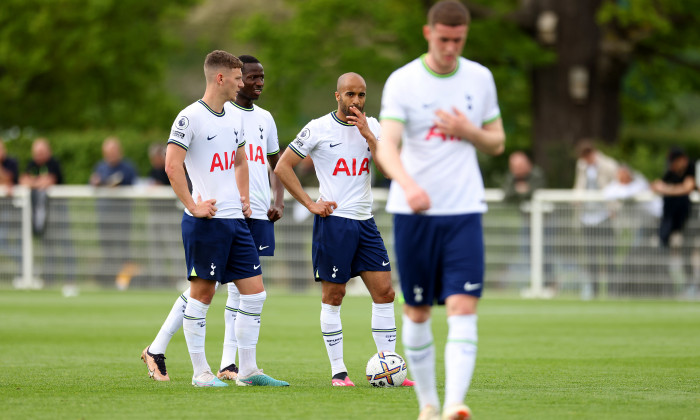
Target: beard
346	110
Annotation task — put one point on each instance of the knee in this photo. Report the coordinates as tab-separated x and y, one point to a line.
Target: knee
385	295
334	297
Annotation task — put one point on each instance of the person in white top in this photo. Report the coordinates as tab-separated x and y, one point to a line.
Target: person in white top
207	137
346	241
442	108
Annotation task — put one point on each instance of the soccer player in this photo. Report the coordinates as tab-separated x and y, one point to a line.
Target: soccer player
346	241
207	137
262	145
445	108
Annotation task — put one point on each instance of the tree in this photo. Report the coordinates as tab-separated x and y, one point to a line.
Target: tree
85	63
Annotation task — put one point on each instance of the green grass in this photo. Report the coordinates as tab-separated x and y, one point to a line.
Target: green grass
78	358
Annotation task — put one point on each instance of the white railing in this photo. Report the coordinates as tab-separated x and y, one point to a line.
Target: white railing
130	236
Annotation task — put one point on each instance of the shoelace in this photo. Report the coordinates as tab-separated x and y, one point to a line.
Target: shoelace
160	362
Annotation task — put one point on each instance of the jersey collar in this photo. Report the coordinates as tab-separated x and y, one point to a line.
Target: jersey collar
218	114
442	76
243	108
339	121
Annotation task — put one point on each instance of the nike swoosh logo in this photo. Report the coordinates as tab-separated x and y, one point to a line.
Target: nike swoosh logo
384	264
255	267
337	144
260	248
469	286
209	138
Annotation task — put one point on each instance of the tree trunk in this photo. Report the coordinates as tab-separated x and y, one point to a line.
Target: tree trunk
577	96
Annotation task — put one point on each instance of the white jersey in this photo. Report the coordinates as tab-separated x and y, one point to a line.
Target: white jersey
445	167
211	140
342	162
261	142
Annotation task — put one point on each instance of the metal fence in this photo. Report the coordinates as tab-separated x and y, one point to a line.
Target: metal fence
130	237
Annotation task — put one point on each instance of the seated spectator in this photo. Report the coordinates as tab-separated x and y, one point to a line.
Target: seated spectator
522	178
156	155
9	170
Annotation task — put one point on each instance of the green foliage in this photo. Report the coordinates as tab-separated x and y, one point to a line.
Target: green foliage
78	151
78	63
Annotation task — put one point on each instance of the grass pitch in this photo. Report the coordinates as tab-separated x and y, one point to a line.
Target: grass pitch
78	358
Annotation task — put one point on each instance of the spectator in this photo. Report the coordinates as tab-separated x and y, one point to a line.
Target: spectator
594	171
9	170
114	215
156	155
522	179
42	172
675	188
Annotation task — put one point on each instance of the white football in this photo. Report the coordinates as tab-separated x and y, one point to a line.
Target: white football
385	369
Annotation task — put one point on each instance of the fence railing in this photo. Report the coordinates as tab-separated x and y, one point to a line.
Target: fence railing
130	237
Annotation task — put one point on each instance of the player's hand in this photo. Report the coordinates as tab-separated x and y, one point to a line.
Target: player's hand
204	209
247	211
456	124
359	120
275	213
417	198
322	208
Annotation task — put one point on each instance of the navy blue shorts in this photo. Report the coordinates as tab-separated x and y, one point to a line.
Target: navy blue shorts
219	249
343	247
439	256
263	232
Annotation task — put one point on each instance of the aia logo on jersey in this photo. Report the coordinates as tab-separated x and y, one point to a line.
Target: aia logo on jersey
222	164
435	132
342	167
258	156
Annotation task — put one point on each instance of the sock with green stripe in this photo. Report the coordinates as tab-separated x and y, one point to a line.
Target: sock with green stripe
460	357
171	325
248	331
419	349
195	326
228	357
384	326
332	330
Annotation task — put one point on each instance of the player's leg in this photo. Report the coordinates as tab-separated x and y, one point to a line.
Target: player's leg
418	253
463	277
332	258
154	355
195	327
243	268
228	369
383	321
332	330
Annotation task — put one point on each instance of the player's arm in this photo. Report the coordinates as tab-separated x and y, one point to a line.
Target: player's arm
489	138
360	121
285	172
174	167
277	208
240	165
388	157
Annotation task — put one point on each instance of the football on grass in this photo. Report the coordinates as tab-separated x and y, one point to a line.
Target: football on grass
386	369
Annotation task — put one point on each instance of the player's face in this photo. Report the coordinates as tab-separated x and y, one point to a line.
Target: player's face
352	95
233	82
253	81
445	45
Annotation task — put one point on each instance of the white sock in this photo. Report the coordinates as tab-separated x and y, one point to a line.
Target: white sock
171	325
248	331
195	326
419	347
384	326
460	357
332	330
230	343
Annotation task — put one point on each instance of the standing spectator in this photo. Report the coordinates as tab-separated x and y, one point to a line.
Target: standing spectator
520	183
675	188
114	215
9	170
50	221
594	171
157	174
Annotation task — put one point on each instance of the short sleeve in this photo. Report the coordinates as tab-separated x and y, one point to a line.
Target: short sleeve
181	133
392	108
273	144
304	141
491	110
